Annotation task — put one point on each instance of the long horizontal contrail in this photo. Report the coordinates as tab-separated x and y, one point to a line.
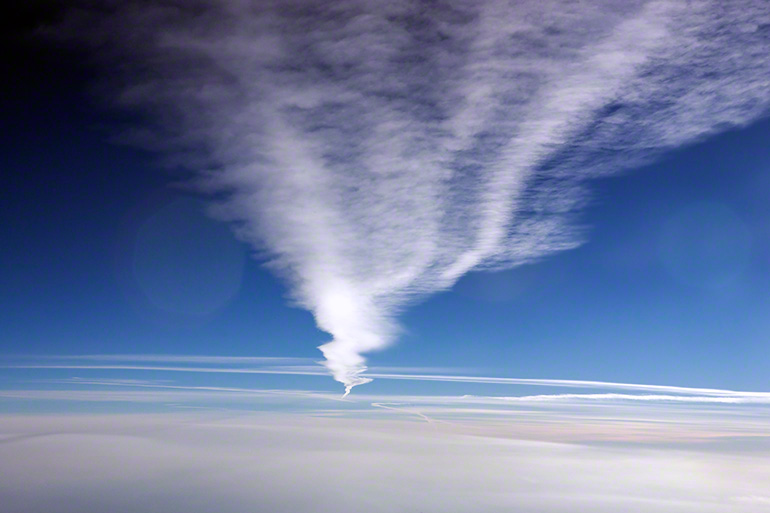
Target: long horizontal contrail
317	371
374	152
381	401
737	398
175	358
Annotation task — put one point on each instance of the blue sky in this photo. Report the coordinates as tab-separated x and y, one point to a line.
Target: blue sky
611	310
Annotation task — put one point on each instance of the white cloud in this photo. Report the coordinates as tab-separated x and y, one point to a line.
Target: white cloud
731	399
754	499
376	151
199	463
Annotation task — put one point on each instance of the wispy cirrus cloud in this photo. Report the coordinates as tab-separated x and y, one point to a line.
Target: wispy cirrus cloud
376	151
728	398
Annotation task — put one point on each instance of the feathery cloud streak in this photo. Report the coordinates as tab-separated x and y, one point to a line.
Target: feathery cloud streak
377	151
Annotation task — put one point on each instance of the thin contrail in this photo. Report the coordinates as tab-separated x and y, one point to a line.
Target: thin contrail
317	371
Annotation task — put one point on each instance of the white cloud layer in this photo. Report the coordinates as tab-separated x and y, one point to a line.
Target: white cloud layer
376	151
202	463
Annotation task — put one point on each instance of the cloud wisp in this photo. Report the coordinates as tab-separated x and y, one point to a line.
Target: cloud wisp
377	151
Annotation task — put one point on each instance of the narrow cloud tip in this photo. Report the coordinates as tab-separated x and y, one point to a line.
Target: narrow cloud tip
345	364
357	381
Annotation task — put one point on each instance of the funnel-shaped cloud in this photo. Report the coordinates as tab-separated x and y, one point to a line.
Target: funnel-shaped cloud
377	151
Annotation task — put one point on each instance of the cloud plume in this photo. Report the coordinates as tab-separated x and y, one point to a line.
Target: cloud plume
374	152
